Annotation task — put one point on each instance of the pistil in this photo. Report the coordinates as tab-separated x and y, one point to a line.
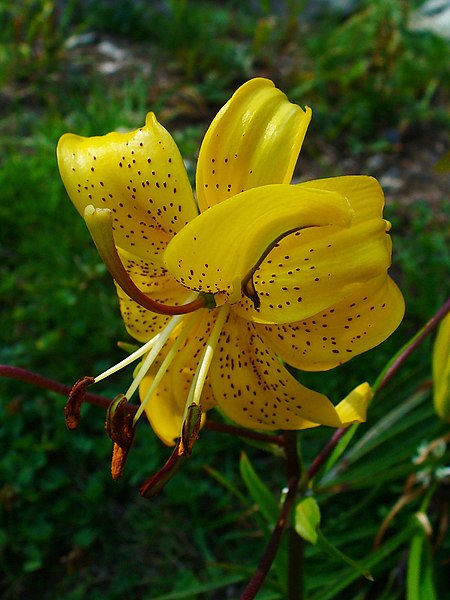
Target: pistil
247	285
99	223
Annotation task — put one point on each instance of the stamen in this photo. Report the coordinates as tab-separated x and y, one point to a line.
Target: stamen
152	355
128	360
166	364
99	222
201	373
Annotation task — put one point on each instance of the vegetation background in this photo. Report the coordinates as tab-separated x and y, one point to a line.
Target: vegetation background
377	79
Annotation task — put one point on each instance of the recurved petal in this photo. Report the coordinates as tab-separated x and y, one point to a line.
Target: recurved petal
315	268
254	140
334	336
139	175
252	387
353	408
215	251
364	193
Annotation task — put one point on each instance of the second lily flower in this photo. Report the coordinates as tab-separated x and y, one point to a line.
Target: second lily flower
268	270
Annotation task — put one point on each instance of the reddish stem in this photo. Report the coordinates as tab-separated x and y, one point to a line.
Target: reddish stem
97	400
415	343
323	455
326	451
271	550
247	433
54	386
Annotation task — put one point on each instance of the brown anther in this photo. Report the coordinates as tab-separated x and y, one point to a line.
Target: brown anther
77	394
119	457
121	429
190	429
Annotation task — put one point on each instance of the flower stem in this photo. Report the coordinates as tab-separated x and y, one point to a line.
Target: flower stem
385	376
246	433
255	583
395	364
54	386
295	588
46	383
323	455
295	580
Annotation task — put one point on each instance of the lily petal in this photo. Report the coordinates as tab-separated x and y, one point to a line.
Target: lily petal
216	250
313	269
353	408
253	388
342	331
163	412
254	140
441	370
364	193
139	175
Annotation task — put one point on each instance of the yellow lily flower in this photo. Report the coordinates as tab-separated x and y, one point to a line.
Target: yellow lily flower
220	287
441	370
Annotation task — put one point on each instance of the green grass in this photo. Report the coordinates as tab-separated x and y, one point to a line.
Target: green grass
67	530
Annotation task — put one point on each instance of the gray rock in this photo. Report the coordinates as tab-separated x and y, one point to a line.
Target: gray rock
433	16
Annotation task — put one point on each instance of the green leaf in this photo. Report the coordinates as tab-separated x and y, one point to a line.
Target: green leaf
227	484
332	551
259	491
404	416
307	519
397	420
268	508
414	560
201	588
419	579
385	551
341	447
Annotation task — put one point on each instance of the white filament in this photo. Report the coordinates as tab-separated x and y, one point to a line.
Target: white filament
165	365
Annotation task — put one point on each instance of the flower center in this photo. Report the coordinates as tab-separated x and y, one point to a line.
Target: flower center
177	330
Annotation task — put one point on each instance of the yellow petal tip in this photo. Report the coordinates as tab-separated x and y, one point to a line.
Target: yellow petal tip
353	408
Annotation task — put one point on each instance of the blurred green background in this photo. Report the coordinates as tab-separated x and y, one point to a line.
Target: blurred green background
376	75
